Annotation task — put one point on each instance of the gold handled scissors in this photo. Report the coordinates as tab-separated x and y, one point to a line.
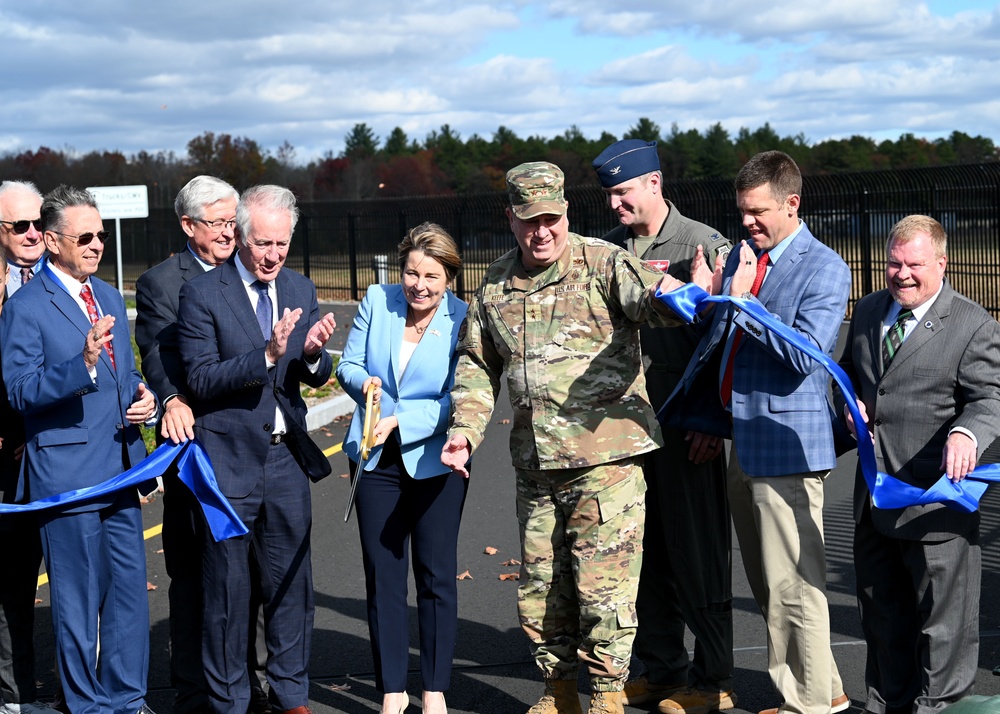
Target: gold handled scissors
373	413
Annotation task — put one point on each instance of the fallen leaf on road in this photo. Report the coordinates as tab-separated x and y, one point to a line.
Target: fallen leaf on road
504	421
512	561
509	576
38	601
490	550
345	475
150	586
159	552
340	687
464	576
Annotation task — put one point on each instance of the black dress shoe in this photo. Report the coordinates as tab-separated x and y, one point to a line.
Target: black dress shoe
259	703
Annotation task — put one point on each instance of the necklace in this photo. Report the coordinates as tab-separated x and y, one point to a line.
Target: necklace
413	320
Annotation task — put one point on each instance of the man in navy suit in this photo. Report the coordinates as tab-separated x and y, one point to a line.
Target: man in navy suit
206	210
772	399
246	352
21	241
69	370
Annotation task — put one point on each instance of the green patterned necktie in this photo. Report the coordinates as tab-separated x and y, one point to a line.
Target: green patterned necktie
894	338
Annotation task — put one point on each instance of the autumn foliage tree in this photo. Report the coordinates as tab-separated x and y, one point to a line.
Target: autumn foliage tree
445	162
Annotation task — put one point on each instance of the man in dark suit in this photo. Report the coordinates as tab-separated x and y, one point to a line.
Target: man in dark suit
244	366
772	399
75	383
925	364
20	221
206	209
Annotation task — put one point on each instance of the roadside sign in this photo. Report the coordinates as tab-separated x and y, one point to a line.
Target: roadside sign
117	202
121	201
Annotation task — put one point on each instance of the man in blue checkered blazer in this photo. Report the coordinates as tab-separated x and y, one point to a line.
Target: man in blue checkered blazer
772	400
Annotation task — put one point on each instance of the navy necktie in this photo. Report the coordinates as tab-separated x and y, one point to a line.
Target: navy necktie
263	308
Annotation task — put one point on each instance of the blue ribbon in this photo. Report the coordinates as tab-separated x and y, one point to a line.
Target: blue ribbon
194	469
887	491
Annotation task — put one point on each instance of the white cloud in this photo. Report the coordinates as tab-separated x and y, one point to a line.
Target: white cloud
105	75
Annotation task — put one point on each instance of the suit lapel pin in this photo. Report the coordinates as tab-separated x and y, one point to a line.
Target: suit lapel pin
928	324
435	333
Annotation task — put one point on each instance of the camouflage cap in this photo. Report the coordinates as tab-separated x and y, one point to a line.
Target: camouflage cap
536	188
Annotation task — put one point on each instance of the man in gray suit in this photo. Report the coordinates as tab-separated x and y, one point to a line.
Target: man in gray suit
206	209
925	363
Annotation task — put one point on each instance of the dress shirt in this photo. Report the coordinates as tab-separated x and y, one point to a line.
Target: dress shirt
74	287
908	326
14	278
249	279
773	256
205	266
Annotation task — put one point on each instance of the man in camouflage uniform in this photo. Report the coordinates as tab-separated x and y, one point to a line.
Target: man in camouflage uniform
686	576
560	315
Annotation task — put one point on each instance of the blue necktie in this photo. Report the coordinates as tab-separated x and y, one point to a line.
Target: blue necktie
263	308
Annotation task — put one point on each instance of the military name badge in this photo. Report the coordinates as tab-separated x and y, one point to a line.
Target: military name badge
660	265
749	325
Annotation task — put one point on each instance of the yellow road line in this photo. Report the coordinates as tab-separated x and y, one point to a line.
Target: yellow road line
43	579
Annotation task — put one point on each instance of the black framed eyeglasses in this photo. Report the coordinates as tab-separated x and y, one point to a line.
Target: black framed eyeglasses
86	238
218	224
20	227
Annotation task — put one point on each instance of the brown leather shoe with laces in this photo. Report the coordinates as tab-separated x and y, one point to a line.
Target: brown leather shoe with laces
640	691
697	701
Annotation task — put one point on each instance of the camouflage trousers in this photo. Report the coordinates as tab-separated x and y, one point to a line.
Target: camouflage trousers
581	551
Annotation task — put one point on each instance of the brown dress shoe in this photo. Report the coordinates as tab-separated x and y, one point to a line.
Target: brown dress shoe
298	710
697	701
640	690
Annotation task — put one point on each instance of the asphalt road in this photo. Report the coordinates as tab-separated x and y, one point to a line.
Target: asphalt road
493	673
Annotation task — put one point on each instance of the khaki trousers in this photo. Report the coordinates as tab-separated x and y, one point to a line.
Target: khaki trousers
779	524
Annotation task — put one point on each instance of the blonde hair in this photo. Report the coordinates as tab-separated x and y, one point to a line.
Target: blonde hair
432	240
907	228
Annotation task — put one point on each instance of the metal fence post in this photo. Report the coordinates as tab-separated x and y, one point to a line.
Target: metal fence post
352	254
866	242
304	221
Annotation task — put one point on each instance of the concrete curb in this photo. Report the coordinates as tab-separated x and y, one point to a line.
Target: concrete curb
325	412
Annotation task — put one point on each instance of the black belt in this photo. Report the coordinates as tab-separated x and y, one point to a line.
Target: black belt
278	438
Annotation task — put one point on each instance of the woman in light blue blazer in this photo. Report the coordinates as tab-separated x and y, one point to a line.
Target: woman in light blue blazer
402	345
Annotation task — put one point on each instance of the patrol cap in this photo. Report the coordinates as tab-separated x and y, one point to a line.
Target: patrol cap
625	160
535	189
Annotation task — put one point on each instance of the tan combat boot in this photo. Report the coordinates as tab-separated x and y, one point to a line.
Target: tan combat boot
607	703
560	697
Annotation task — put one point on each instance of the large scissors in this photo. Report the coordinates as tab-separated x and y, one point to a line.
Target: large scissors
373	413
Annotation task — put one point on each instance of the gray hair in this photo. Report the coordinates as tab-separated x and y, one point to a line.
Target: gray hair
267	197
199	192
55	203
17	186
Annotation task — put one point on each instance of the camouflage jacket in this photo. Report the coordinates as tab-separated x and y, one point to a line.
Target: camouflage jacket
568	339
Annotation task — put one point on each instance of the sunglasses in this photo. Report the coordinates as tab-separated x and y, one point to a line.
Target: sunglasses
86	238
20	227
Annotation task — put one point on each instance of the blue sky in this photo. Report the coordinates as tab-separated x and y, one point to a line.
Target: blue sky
137	76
